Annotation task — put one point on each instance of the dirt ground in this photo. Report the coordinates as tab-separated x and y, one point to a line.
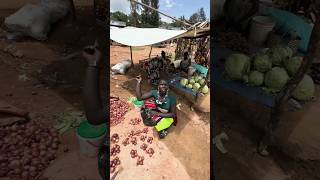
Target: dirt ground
48	85
294	156
187	144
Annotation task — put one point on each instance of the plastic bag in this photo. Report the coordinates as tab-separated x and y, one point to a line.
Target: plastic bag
35	20
121	67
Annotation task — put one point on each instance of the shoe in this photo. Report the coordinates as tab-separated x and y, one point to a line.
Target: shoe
163	134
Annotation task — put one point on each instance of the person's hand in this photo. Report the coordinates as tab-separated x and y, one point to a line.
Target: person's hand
139	79
92	54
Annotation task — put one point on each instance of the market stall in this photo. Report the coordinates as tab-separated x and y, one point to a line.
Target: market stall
186	38
265	60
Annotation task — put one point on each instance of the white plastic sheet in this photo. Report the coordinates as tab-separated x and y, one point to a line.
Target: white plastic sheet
132	36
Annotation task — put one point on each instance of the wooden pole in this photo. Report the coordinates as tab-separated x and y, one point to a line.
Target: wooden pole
72	9
131	56
161	13
150	52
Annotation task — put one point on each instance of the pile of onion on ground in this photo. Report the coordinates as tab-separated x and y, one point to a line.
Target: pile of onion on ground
118	109
26	149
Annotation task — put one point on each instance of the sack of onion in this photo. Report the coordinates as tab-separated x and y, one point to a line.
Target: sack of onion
27	149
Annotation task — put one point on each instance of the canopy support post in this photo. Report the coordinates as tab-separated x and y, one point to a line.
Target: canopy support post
150	52
131	56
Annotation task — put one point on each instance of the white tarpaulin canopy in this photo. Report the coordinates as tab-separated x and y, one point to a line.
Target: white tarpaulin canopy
131	36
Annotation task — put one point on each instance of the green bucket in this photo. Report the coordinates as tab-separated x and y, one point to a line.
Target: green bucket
91	138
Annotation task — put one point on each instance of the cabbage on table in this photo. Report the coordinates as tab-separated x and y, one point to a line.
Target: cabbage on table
276	78
305	89
293	64
262	63
278	54
256	78
205	89
184	82
237	65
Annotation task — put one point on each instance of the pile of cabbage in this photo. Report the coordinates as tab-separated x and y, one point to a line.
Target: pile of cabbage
270	69
196	84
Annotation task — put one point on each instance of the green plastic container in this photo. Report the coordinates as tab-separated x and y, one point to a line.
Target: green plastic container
91	138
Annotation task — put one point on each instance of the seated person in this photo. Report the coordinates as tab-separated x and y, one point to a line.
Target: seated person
164	58
185	63
163	114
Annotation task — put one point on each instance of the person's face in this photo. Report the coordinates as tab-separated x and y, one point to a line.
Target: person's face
185	56
163	87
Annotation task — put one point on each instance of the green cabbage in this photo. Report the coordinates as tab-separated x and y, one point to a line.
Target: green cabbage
184	82
189	86
276	78
192	81
278	54
293	64
197	78
202	81
196	86
256	78
237	65
262	63
205	89
305	89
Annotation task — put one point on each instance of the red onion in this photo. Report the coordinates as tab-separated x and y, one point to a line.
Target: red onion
149	140
126	142
145	130
144	146
26	149
115	138
134	140
133	153
118	109
135	121
143	138
115	150
150	151
140	160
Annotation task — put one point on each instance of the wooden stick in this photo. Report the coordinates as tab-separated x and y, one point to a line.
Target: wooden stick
131	55
150	52
72	9
116	173
161	12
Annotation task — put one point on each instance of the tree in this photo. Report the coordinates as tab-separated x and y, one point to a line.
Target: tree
134	16
145	14
179	23
202	15
118	16
155	18
194	18
199	16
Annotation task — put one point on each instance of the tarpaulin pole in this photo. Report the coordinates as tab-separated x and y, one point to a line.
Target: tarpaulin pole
131	55
150	52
